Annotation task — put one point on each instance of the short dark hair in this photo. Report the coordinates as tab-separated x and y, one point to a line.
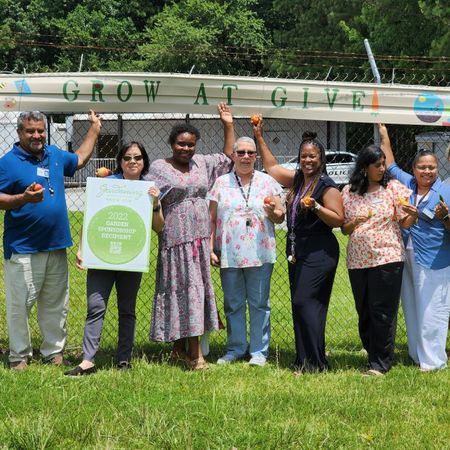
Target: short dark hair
30	115
124	149
359	182
423	152
183	128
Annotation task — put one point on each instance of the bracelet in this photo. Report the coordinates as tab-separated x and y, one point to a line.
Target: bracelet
445	218
317	207
157	208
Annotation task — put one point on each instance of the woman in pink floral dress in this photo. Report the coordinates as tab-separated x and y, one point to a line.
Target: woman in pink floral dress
375	252
184	306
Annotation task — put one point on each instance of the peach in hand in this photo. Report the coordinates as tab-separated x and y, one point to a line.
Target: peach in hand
268	200
403	201
102	172
255	119
308	201
37	187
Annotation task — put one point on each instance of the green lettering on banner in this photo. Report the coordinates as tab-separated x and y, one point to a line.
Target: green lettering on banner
305	98
357	96
201	93
97	87
331	100
228	87
74	92
119	91
150	91
283	99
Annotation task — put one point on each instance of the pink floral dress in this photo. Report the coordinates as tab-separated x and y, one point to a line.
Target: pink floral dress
377	241
184	303
245	237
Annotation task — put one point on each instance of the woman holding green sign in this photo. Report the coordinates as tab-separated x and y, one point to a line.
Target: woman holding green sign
132	164
184	305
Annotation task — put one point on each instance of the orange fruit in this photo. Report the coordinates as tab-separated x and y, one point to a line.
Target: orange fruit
102	172
308	201
268	200
255	119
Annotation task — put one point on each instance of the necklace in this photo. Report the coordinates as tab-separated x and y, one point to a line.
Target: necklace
246	197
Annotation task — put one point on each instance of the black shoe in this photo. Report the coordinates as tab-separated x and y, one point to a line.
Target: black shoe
78	371
124	365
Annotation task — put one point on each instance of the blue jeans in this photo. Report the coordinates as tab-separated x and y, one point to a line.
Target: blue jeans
252	285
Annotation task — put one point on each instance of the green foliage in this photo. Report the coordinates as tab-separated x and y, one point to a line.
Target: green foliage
214	36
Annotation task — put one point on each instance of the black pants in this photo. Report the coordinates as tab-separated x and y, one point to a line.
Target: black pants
377	295
99	286
311	280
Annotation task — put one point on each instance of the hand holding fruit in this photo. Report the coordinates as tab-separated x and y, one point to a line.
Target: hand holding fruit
103	172
307	202
34	193
441	209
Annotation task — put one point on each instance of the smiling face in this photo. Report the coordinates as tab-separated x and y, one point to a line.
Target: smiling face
32	136
184	148
132	163
426	171
376	170
244	158
310	162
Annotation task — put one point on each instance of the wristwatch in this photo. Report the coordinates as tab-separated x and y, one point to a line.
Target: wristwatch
157	208
317	207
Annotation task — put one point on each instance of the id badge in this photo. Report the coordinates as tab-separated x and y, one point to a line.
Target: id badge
428	213
42	172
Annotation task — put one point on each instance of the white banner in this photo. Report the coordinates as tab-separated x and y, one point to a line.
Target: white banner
271	97
117	225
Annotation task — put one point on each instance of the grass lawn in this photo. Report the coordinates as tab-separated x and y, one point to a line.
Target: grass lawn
158	405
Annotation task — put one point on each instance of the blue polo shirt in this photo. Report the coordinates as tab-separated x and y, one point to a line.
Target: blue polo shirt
431	241
43	226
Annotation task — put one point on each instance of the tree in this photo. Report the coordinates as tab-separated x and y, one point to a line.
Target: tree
215	36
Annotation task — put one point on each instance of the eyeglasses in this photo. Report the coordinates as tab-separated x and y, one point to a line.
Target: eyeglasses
242	153
136	158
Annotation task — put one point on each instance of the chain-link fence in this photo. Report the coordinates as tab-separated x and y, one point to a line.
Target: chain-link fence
342	140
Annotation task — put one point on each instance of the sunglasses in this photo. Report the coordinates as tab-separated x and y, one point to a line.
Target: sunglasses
242	153
128	158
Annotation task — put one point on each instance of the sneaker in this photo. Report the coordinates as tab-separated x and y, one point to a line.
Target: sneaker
124	365
18	365
79	372
227	359
373	373
257	360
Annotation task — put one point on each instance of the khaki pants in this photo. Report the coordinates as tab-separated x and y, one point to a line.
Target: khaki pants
40	278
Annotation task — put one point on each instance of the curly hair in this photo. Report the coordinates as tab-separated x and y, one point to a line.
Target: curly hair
359	182
181	128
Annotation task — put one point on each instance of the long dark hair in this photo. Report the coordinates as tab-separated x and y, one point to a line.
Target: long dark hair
124	149
308	137
359	182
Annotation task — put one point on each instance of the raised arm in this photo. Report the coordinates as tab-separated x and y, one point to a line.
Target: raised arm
88	144
284	176
385	144
228	128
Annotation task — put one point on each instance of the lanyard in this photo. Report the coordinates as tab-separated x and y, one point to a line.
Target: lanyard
418	202
246	197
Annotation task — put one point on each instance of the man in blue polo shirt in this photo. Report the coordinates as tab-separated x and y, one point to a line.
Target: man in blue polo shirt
36	235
